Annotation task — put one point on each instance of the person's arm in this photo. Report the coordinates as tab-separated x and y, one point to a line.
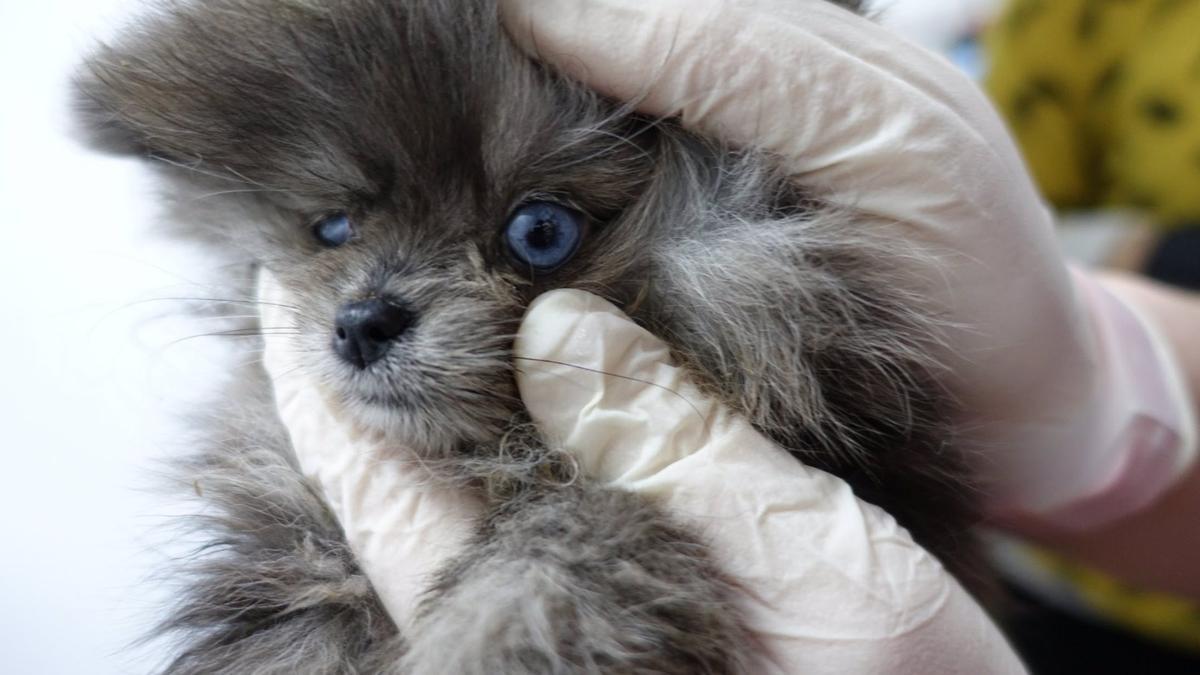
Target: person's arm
1154	548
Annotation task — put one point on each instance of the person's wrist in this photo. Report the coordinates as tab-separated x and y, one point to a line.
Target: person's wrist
1175	313
1171	319
1126	435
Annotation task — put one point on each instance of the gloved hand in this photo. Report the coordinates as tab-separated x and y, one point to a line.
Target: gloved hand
1073	403
400	521
832	584
1064	382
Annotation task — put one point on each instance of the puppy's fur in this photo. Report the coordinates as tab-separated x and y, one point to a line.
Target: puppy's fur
423	122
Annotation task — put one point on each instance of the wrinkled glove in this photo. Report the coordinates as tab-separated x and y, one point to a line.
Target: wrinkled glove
1071	400
831	584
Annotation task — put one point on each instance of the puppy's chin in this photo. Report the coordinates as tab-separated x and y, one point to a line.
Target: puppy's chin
407	410
402	430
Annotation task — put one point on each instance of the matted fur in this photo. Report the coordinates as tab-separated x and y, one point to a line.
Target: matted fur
274	588
424	123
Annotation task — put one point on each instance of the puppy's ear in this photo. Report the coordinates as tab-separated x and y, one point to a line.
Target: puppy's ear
132	95
97	120
154	89
139	93
219	81
260	90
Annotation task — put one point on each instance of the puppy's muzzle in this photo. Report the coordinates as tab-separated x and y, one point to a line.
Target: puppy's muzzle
365	330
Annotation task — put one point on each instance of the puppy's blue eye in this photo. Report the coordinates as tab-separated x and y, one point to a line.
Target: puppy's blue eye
333	230
544	235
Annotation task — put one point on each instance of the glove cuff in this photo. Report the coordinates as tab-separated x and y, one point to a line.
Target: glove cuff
1144	435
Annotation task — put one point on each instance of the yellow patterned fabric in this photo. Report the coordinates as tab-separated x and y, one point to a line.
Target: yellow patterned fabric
1161	617
1103	97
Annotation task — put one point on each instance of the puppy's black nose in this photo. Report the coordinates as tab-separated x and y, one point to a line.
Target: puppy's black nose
364	330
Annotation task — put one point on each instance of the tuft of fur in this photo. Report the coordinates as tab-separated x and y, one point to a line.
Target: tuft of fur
615	586
420	120
274	587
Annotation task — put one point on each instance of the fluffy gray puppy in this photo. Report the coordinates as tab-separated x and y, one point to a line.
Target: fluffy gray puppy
414	181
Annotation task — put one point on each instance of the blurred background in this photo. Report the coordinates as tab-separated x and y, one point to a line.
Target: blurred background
1104	98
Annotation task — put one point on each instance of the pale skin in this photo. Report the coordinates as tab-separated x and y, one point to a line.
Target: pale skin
1153	548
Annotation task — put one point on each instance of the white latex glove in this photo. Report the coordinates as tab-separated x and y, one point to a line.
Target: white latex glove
401	523
832	584
1075	407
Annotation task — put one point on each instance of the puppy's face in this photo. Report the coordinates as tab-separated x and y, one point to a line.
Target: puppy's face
414	181
402	170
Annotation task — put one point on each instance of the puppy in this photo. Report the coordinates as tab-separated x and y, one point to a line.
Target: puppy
414	181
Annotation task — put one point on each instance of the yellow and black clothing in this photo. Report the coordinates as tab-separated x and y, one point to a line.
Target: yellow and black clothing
1103	97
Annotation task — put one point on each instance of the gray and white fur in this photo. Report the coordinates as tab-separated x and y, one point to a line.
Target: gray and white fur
424	123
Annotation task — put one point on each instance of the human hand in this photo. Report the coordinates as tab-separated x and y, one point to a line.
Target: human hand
1069	397
831	584
1151	549
402	522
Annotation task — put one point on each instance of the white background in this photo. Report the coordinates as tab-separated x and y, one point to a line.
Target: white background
90	377
91	371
